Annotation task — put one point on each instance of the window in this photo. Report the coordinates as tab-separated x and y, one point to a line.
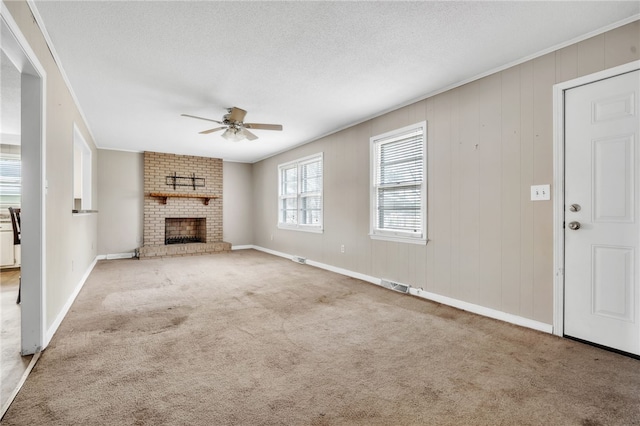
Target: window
300	194
10	181
81	172
398	189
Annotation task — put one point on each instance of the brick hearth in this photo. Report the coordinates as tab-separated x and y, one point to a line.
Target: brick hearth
177	204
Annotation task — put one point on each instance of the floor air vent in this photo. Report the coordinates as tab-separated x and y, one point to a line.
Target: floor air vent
299	259
401	288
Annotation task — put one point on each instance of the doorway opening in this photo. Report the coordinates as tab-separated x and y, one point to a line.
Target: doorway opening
13	365
16	51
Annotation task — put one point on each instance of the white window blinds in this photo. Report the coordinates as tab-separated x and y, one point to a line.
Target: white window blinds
10	181
398	198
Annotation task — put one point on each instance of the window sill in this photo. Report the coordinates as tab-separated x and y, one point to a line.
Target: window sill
398	239
300	228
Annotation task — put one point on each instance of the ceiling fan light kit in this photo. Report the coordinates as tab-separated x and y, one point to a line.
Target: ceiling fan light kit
233	134
235	129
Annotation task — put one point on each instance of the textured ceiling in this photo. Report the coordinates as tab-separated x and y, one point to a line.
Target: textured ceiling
314	67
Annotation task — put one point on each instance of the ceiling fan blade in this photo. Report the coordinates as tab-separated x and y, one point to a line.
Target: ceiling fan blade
236	115
206	132
263	126
202	118
249	135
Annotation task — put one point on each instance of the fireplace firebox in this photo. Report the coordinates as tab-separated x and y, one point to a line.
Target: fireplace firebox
185	230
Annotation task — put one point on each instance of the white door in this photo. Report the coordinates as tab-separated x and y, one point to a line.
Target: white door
602	213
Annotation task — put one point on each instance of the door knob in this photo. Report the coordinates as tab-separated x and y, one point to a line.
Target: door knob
574	225
574	207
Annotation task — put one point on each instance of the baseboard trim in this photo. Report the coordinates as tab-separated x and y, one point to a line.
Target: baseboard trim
342	271
244	247
482	310
65	309
111	256
449	301
23	378
273	252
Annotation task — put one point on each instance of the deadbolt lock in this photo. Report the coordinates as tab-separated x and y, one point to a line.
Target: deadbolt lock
574	207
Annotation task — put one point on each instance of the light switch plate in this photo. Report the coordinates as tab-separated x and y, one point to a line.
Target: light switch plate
540	192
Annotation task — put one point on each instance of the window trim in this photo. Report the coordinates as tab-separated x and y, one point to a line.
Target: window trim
388	235
82	172
298	163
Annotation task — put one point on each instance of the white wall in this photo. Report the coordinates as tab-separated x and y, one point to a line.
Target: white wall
237	198
121	201
488	142
70	240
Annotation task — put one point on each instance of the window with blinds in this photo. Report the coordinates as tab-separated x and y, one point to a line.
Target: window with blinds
300	194
10	181
398	198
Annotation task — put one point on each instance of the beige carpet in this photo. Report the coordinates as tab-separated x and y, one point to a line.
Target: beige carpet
246	338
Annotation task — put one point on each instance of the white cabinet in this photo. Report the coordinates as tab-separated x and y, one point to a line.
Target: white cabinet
7	256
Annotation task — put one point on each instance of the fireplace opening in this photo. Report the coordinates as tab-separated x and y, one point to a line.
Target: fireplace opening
185	230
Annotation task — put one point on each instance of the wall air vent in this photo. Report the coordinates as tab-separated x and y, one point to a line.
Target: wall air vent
401	288
299	259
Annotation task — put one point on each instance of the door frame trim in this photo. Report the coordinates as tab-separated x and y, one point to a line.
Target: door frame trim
33	144
558	181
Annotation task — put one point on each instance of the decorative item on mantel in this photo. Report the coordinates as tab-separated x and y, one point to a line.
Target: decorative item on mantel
165	195
191	181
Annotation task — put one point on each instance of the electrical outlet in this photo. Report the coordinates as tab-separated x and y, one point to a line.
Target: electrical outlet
272	237
342	248
540	192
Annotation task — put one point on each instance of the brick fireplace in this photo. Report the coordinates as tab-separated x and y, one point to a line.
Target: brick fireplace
182	205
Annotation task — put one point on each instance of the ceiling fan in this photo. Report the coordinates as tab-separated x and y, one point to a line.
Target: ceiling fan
236	128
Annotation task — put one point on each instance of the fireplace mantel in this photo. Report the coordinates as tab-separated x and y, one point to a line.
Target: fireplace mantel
165	195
